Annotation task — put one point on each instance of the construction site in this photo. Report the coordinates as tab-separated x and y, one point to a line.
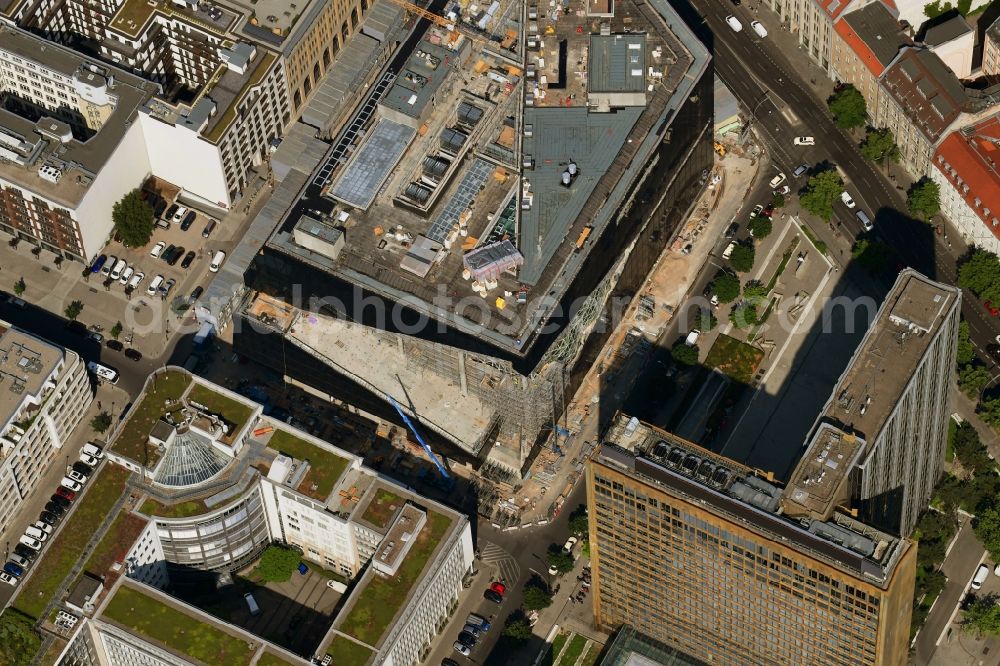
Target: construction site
453	252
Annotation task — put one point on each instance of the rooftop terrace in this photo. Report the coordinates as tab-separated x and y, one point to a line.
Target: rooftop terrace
740	494
27	367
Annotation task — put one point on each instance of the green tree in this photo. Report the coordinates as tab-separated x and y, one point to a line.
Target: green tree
707	320
742	259
726	286
560	560
980	274
880	145
133	219
778	200
684	354
101	422
871	255
972	378
924	198
73	310
19	286
19	642
116	330
848	107
969	449
277	564
934	526
982	618
820	192
755	290
989	411
517	629
535	598
965	352
761	227
578	522
987	527
744	315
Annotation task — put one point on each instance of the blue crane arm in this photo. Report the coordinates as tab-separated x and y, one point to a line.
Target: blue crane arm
409	424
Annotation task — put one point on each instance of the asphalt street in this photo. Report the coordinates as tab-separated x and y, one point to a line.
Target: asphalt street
766	83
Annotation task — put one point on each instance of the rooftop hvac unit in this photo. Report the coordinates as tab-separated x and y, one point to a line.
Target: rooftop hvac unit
50	173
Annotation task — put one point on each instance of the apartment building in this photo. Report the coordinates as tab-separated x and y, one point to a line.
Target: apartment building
44	394
736	581
965	169
991	49
865	41
812	21
920	100
69	144
892	402
953	41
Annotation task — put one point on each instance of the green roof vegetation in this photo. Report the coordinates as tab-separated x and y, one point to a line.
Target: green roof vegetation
132	16
115	543
67	547
268	659
189	635
180	510
233	411
734	358
380	599
382	508
325	467
227	116
161	397
348	653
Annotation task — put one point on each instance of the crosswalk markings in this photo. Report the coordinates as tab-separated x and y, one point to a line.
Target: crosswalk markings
495	556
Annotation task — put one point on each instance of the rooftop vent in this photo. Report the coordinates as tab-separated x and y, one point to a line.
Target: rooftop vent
50	173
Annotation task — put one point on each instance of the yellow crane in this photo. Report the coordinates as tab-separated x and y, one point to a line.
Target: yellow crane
437	19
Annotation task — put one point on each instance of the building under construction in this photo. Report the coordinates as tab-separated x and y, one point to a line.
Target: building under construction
464	249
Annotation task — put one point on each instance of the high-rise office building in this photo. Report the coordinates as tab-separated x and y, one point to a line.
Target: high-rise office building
693	550
891	403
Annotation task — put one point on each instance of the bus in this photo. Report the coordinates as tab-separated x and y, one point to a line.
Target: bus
103	372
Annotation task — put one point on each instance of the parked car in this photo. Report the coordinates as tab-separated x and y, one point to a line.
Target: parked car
188	259
83	468
196	293
108	265
116	272
48	517
157	249
56	510
499	588
126	275
783	190
99	263
167	286
799	170
13	569
734	23
170	211
88	459
759	28
133	354
472	629
28	553
732	230
59	499
467	639
136	279
846	198
217	260
209	228
35	533
114	345
451	662
768	210
92	449
34	544
188	220
76	476
179	214
777	180
176	256
20	561
66	493
168	252
43	526
154	286
568	546
7	578
96	337
757	210
490	595
462	649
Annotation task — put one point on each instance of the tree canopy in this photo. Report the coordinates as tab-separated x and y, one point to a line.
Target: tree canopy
19	286
820	192
980	274
133	219
761	226
848	107
742	258
989	411
101	422
972	378
707	320
535	598
983	616
924	198
560	560
684	354
578	523
965	352
879	144
744	315
726	286
277	564
987	528
73	310
19	642
755	290
517	628
871	255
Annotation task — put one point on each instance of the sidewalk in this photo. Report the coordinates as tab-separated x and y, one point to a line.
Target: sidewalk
553	475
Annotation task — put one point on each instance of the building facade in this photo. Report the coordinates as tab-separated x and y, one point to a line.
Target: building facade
812	21
44	395
865	41
969	182
734	581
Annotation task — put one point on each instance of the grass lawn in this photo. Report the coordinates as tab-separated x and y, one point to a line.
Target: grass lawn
231	410
573	650
67	547
593	653
376	604
346	652
181	510
325	467
133	440
187	634
557	645
382	508
268	659
735	359
115	544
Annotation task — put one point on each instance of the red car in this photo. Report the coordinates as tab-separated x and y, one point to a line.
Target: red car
769	210
65	493
989	306
499	588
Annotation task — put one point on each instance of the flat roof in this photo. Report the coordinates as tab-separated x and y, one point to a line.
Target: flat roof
617	63
370	165
739	494
79	161
420	78
27	365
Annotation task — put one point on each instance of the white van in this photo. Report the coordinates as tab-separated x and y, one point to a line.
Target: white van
154	285
728	252
103	372
865	220
108	265
734	23
217	260
116	272
92	450
251	604
981	573
179	215
758	28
